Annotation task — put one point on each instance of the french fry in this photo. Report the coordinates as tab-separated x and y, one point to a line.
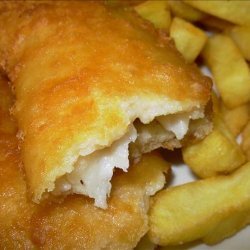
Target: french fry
234	11
189	40
241	36
246	140
216	154
185	11
210	209
235	118
230	70
157	12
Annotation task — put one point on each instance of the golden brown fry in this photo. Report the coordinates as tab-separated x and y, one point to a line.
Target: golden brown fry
233	11
241	36
189	39
157	12
185	11
210	209
217	153
229	68
236	118
82	74
246	140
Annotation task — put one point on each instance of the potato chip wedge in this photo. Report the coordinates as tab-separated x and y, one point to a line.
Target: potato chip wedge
210	209
241	36
185	11
229	68
157	12
189	39
233	11
235	118
216	154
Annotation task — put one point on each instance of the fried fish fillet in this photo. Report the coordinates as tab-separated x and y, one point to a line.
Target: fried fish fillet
73	223
92	86
15	210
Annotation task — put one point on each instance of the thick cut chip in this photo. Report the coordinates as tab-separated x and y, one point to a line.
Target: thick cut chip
157	12
189	39
210	209
241	36
86	76
235	118
229	68
217	153
233	11
185	11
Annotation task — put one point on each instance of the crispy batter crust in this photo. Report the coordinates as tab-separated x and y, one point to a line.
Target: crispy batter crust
75	67
74	222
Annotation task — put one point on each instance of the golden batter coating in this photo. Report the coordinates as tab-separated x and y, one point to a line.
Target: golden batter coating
74	222
15	211
82	225
82	73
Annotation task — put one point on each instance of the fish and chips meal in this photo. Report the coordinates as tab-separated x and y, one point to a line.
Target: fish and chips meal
94	98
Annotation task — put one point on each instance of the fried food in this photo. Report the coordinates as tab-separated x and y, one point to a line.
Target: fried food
74	222
82	74
157	12
189	39
185	11
78	223
210	209
234	11
235	119
217	154
229	68
241	36
15	211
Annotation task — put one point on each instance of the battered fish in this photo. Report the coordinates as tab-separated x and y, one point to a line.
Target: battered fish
15	210
73	223
93	85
